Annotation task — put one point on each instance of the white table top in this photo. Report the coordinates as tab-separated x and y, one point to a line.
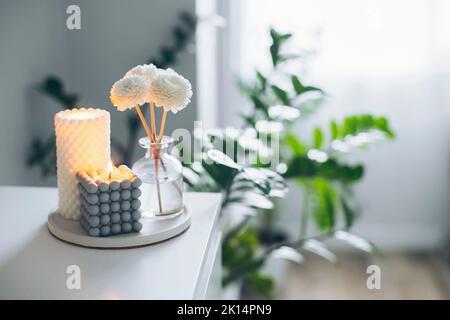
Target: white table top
33	263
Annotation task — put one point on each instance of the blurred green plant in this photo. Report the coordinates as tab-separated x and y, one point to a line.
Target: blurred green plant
42	152
280	101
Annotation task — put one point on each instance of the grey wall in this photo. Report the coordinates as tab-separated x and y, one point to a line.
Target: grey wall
115	35
32	45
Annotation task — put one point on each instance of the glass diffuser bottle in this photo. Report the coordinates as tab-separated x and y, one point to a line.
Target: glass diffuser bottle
162	180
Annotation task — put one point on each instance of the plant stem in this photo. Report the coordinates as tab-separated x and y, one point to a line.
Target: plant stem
152	119
144	123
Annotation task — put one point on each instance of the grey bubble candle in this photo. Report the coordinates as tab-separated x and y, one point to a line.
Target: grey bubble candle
109	201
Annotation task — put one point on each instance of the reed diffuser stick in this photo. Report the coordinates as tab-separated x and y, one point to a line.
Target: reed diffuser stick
144	123
163	123
154	151
152	118
156	154
158	191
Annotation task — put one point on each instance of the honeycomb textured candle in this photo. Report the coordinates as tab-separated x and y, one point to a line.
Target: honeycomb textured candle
82	143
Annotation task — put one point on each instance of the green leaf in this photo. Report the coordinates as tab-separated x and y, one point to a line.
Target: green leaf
330	169
349	213
252	200
262	80
300	88
324	210
355	124
334	130
320	249
222	158
318	138
366	122
383	125
356	241
350	126
285	36
352	173
301	166
235	230
283	113
245	88
249	119
221	175
281	94
274	52
279	37
297	147
222	169
287	253
260	105
261	284
242	186
270	183
240	248
277	40
311	105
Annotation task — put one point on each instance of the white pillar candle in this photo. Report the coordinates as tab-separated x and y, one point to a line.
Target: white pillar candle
82	144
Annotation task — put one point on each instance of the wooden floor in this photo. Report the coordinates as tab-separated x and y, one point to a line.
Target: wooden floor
403	276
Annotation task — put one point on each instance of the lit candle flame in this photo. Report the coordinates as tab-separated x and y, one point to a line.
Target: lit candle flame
110	168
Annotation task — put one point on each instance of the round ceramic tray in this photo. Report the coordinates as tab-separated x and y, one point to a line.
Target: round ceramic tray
153	231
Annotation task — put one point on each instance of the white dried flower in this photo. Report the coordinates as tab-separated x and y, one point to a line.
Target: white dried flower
129	92
171	91
148	71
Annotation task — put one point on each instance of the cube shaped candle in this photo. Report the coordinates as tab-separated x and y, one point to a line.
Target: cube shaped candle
109	201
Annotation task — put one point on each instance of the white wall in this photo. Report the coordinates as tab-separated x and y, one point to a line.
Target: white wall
207	55
115	35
